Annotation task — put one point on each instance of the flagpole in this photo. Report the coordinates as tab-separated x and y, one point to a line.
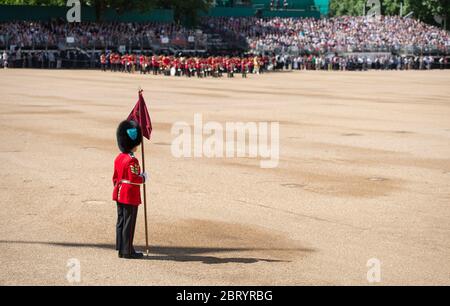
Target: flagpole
145	186
137	116
145	197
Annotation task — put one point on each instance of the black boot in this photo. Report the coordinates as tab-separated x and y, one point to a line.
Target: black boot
132	256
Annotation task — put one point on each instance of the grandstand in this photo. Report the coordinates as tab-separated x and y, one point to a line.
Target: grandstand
202	40
230	28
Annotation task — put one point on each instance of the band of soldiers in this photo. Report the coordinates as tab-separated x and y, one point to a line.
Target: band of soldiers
184	66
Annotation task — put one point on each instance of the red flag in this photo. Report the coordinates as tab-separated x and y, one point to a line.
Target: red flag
141	116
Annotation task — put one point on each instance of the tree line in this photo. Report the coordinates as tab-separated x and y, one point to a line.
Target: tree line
430	11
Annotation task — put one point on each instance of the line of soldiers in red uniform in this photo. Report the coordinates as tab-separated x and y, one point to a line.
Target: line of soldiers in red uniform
184	66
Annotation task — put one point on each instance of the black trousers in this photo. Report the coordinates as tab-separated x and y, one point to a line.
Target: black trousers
126	225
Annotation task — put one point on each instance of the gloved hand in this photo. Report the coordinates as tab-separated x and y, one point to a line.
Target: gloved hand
145	176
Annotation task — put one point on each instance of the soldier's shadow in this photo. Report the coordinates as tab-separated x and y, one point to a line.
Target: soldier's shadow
192	254
210	260
181	254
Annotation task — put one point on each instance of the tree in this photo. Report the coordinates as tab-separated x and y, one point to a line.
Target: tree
424	10
427	10
356	7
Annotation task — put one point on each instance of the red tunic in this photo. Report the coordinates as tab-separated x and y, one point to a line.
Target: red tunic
127	180
166	61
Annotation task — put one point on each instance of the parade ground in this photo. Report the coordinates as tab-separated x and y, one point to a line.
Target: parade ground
362	180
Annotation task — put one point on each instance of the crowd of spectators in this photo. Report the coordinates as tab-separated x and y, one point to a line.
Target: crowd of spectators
279	35
48	59
362	62
26	34
340	34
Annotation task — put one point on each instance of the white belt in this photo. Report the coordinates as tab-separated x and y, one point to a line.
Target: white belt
128	182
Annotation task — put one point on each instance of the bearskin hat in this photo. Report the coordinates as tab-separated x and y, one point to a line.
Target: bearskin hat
129	136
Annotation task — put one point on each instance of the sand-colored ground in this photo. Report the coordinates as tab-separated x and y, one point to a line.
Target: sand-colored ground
364	173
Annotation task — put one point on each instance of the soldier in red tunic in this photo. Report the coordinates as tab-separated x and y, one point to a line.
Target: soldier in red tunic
127	182
244	68
116	62
123	62
142	64
103	61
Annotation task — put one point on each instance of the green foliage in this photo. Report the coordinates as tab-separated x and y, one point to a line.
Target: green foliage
346	7
423	9
356	7
427	9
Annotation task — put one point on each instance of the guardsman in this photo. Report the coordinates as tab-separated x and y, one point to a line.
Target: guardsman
147	64
111	61
142	64
130	63
127	180
155	64
244	68
103	61
123	62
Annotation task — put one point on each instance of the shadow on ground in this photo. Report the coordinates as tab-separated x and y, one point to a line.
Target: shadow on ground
178	253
